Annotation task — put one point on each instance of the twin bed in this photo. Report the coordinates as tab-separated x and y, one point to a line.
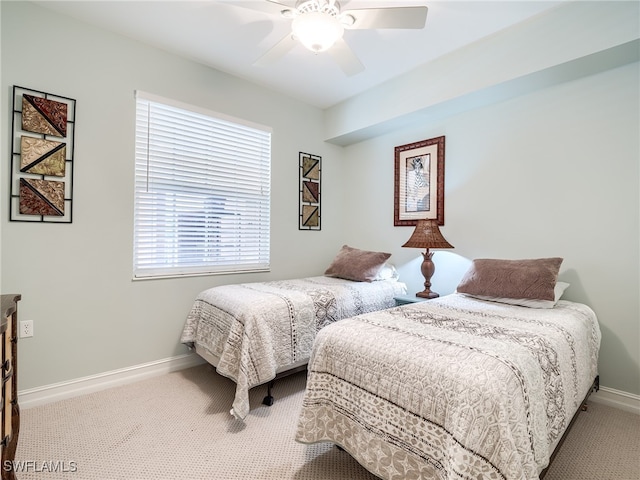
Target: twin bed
480	384
253	332
453	388
459	387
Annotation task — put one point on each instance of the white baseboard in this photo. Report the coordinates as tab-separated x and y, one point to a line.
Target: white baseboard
34	397
80	386
617	399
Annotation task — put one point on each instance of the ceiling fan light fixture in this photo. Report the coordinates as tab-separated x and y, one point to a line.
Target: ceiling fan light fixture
317	31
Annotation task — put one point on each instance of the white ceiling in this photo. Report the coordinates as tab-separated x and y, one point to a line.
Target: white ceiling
230	38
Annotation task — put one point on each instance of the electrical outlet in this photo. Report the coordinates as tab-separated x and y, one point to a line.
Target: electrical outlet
26	328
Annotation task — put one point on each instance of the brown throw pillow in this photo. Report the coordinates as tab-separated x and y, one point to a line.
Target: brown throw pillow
530	279
357	265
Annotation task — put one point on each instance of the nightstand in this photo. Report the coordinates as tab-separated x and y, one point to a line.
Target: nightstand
406	299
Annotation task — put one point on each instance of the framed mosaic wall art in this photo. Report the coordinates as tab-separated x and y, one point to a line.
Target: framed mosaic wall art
310	168
42	148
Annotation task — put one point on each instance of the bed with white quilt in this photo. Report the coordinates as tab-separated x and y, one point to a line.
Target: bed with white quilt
456	387
252	332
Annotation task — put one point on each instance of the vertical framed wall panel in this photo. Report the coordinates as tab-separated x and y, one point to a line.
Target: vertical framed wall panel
42	150
310	167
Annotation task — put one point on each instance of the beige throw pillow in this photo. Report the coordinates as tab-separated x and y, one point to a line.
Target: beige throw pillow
521	279
357	265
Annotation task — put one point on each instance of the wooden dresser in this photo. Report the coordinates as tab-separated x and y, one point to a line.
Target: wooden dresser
10	408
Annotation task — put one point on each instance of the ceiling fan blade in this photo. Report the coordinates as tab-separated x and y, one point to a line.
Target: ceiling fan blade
392	17
277	51
266	6
345	58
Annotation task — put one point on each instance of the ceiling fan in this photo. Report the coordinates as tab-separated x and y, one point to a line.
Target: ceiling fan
320	24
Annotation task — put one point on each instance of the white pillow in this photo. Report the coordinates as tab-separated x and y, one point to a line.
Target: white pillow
527	302
387	272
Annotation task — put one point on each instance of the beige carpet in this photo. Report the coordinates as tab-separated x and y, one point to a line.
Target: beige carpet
178	426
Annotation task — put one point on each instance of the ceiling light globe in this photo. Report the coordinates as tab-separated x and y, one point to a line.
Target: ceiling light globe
317	31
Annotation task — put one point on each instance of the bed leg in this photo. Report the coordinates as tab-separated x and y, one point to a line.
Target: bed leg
268	400
594	388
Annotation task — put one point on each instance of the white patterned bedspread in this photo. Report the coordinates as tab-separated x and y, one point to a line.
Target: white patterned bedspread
257	328
451	388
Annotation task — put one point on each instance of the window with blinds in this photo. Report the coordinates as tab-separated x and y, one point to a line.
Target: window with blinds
202	191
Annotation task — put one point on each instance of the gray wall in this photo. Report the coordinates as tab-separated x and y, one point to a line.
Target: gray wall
553	171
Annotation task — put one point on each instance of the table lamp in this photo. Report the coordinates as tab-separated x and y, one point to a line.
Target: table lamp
427	235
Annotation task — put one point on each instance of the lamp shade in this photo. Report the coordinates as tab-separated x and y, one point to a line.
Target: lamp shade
317	31
427	235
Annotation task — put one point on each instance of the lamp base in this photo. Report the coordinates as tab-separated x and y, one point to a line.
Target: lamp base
427	294
427	268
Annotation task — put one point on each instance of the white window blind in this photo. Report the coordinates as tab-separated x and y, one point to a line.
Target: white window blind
202	191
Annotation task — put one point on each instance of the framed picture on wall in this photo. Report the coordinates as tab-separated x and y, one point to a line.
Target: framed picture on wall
310	174
42	151
419	182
